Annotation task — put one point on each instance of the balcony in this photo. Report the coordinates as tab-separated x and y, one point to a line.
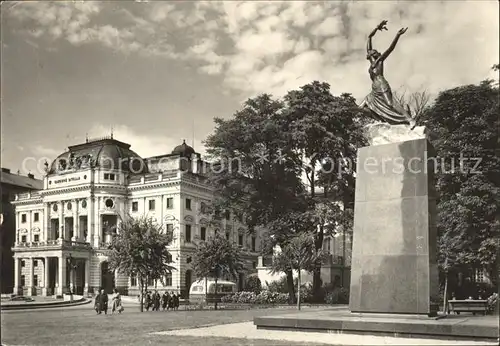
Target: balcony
58	244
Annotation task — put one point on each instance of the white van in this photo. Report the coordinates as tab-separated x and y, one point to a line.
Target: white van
198	289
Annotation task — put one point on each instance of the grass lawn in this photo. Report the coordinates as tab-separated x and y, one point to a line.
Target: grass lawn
81	326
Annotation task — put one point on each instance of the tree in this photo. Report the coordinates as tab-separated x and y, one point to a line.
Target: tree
217	258
326	131
464	124
251	179
298	251
139	248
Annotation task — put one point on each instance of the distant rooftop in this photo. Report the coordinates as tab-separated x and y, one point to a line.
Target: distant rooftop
29	181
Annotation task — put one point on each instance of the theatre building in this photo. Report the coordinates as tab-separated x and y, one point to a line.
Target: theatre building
63	231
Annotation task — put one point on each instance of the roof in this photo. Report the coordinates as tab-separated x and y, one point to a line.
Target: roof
183	150
21	181
107	153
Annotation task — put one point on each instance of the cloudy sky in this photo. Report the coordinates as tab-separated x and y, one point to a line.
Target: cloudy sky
157	72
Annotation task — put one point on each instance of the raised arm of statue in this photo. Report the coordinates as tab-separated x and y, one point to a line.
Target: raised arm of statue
393	44
381	26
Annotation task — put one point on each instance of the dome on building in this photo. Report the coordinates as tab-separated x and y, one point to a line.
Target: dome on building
106	153
183	150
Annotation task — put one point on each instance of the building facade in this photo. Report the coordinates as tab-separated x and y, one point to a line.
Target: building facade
87	191
11	184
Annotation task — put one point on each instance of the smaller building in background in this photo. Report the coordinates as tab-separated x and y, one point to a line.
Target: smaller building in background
12	184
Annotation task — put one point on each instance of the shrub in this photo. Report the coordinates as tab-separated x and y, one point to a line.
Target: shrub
279	286
340	295
493	303
306	293
264	297
253	284
227	299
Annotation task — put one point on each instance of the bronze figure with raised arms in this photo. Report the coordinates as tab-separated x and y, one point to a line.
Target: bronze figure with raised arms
380	101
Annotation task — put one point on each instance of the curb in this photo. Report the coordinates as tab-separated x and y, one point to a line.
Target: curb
82	301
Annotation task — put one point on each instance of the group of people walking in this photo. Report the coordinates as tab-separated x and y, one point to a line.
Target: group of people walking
168	301
101	302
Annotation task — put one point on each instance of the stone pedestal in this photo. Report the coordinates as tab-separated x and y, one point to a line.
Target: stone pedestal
394	258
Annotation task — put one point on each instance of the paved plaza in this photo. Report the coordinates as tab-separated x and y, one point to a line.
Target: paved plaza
81	326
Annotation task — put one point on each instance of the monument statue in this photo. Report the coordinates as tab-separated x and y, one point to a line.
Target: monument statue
380	101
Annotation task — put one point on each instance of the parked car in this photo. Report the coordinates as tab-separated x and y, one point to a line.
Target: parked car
198	290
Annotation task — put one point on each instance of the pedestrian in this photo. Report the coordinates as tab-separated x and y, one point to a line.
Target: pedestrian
148	300
164	300
96	303
103	302
171	301
176	302
158	301
117	302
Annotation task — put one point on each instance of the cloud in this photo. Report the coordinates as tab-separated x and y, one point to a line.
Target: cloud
51	153
145	145
277	46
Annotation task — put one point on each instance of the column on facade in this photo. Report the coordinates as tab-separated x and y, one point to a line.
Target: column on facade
76	228
18	223
87	277
97	223
62	228
90	221
31	278
62	275
16	275
46	274
29	216
162	197
46	222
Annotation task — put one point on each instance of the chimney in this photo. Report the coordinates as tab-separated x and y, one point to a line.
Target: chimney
5	170
31	176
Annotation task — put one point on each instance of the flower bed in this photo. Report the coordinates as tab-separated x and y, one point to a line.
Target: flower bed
264	297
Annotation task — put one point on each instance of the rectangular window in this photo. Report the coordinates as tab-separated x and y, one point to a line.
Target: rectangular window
240	240
135	206
23	263
151	204
188	233
203	233
188	204
109	176
37	238
23	280
227	235
35	280
36	217
35	263
168	279
23	218
151	282
170	228
253	243
23	239
133	281
170	203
